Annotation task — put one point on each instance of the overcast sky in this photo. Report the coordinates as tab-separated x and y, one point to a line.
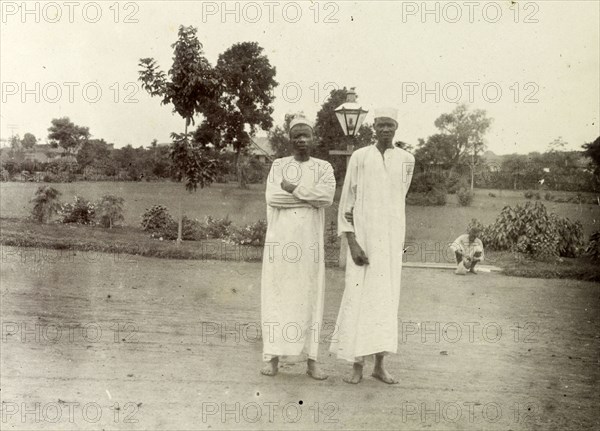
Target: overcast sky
496	54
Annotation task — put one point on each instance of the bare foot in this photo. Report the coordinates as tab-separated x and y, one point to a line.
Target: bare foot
356	377
314	370
271	367
381	374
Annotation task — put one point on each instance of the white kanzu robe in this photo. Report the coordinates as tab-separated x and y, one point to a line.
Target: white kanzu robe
375	186
293	273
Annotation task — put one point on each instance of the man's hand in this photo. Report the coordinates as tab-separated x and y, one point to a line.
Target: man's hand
349	216
287	186
358	255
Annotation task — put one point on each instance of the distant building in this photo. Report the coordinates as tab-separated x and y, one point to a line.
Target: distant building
261	149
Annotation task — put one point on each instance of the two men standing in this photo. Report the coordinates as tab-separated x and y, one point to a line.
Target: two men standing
372	217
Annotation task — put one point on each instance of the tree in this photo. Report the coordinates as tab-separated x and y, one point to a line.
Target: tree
45	203
279	138
28	141
246	92
192	89
110	210
592	150
467	128
66	134
439	152
557	145
15	142
515	166
93	151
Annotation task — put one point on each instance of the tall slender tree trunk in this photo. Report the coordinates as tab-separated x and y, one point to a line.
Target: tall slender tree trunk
472	170
180	215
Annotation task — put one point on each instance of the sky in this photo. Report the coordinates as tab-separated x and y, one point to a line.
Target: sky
532	66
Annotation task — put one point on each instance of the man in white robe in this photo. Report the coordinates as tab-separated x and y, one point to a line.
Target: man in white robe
299	188
372	216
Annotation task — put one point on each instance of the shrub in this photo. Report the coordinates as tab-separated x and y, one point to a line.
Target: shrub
549	196
492	195
455	182
528	194
465	197
81	211
191	230
156	218
570	236
531	230
251	234
537	195
593	248
45	203
216	227
426	182
4	175
436	197
110	210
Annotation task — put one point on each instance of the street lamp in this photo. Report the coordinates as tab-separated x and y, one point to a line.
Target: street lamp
350	114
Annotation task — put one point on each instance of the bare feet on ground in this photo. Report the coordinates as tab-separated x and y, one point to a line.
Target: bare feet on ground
356	377
313	370
380	373
271	367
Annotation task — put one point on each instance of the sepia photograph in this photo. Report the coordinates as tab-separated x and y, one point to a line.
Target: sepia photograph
300	215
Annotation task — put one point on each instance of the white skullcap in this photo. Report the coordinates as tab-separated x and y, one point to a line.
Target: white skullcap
387	112
299	119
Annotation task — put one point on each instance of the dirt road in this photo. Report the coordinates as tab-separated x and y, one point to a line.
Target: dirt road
96	341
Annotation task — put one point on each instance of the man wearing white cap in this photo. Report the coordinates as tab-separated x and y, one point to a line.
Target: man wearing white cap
299	188
372	216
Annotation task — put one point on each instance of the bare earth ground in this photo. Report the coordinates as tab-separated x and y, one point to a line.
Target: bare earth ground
124	342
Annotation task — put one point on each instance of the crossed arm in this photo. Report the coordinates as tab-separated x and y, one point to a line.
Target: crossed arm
283	194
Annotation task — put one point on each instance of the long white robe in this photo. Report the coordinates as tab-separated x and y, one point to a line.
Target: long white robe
375	186
293	273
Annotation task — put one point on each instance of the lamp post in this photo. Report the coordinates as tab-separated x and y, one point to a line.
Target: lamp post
350	116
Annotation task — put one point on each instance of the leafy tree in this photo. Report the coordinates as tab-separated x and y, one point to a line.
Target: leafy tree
279	138
592	150
246	92
192	89
438	151
15	142
557	145
467	129
93	151
45	203
68	135
28	141
515	166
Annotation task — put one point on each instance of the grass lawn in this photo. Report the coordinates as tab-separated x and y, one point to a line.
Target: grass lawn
429	230
429	224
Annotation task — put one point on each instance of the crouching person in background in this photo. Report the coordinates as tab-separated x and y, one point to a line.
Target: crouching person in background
468	250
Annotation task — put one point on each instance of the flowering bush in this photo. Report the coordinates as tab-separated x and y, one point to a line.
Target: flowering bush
251	234
191	230
216	227
81	211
